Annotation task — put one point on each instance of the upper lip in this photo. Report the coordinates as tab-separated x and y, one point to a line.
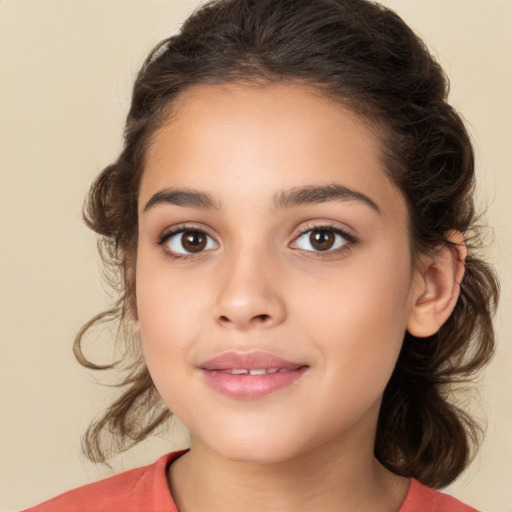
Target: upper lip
248	360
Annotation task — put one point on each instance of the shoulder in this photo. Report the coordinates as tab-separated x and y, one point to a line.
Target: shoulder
143	488
426	499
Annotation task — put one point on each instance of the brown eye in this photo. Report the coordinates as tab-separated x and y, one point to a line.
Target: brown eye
321	240
187	242
193	241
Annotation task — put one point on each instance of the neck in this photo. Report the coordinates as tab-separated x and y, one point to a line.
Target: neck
329	477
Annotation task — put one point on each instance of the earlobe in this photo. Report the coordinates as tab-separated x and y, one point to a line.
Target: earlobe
437	287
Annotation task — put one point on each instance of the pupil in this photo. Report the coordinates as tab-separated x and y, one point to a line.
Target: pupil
193	241
322	240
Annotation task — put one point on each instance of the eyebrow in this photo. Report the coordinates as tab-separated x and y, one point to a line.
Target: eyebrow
296	196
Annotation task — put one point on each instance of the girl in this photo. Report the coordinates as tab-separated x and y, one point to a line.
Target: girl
292	221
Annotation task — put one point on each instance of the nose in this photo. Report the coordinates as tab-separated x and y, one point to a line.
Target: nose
249	295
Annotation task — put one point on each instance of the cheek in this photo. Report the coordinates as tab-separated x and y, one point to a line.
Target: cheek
169	312
167	325
366	295
358	321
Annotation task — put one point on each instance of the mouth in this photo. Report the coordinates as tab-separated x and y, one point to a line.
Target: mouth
259	371
250	375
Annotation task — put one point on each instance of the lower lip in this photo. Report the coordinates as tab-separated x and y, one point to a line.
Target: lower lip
251	386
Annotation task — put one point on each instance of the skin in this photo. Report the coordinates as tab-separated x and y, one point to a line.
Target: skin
259	285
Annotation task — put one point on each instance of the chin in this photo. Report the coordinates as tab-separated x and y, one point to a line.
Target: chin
264	447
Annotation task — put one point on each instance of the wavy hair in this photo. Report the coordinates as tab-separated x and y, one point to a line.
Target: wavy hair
365	57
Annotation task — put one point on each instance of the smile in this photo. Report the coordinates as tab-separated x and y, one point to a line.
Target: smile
246	371
250	375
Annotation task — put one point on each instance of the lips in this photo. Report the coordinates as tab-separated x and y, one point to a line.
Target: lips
248	361
250	375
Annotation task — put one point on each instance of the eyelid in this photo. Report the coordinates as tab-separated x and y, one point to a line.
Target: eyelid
175	230
320	226
350	239
327	226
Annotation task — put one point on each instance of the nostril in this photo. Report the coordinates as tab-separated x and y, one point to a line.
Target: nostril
245	321
260	318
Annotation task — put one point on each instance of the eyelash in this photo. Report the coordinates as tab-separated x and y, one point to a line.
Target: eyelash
350	240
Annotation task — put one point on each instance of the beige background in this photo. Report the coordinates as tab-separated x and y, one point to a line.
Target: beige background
66	69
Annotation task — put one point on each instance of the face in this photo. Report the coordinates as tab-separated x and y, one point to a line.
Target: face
273	274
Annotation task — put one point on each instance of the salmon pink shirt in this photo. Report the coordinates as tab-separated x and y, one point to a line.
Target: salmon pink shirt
145	489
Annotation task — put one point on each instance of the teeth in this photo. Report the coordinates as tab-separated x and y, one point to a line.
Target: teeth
260	371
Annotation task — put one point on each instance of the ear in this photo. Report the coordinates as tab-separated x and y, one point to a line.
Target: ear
437	287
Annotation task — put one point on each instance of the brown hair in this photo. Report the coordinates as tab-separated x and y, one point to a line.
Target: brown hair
365	57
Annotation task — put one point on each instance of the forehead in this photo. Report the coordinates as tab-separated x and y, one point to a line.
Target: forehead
260	111
264	138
